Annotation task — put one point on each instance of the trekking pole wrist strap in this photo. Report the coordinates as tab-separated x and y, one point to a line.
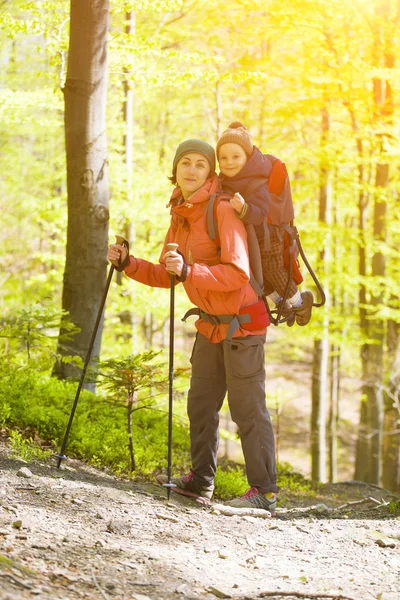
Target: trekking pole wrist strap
122	265
183	275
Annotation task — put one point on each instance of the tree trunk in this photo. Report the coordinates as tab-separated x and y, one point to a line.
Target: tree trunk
373	350
129	230
131	445
218	103
333	412
87	174
319	392
391	437
362	444
318	410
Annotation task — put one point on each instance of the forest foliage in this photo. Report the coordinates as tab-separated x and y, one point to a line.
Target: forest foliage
317	84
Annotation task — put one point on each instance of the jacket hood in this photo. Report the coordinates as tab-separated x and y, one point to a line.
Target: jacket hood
202	194
258	165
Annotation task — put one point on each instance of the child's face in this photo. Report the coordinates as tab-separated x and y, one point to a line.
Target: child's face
231	159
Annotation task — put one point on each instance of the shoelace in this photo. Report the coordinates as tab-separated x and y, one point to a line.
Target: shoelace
250	493
253	491
188	477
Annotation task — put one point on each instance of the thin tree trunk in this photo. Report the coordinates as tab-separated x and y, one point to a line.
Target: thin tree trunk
391	438
129	230
318	410
319	392
218	103
333	412
87	175
373	350
130	431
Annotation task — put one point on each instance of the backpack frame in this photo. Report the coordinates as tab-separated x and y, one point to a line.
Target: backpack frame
281	216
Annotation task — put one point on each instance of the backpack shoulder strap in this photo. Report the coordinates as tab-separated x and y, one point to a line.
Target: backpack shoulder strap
210	215
211	222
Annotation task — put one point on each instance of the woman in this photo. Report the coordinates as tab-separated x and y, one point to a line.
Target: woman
227	356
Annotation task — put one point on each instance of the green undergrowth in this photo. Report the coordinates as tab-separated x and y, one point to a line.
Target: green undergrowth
34	410
394	508
231	482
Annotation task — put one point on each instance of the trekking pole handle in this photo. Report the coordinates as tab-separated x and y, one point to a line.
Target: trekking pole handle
121	240
172	247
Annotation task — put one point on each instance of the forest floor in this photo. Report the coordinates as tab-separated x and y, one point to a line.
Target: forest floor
78	532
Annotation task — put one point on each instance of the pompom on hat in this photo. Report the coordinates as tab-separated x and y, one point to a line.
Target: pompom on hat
197	146
236	134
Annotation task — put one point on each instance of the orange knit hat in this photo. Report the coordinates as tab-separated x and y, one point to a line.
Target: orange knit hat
236	134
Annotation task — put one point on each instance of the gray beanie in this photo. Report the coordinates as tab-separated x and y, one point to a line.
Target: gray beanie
197	146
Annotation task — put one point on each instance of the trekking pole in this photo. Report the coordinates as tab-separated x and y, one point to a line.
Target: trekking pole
169	485
61	456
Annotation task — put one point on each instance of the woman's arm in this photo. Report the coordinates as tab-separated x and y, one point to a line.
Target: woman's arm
156	275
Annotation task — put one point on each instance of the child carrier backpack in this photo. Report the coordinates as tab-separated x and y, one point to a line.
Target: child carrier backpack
280	216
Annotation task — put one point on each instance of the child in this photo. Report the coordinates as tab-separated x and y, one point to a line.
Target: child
240	163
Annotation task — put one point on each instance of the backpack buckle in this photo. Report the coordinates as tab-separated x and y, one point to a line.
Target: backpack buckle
209	318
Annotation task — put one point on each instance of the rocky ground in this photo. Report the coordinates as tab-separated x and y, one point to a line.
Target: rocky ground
81	533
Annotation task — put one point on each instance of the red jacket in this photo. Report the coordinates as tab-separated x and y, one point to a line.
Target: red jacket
217	283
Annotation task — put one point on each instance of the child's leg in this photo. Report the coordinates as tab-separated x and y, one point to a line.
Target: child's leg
276	279
274	272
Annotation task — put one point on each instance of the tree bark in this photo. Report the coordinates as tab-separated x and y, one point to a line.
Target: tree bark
87	174
391	426
333	412
319	392
372	355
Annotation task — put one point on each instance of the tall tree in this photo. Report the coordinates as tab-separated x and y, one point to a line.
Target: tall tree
87	179
319	391
383	57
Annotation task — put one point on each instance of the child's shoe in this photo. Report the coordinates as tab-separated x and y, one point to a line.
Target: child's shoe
253	498
287	312
303	312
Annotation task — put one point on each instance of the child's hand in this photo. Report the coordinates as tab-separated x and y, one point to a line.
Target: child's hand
237	202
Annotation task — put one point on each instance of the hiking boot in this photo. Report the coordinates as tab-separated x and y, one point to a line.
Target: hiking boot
253	498
187	485
303	312
287	312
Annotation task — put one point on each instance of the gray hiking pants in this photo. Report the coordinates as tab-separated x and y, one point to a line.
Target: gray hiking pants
237	368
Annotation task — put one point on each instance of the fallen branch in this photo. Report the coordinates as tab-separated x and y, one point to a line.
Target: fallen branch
231	511
354	502
27	586
306	595
102	592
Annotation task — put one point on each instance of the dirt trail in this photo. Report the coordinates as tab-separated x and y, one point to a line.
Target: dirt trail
80	533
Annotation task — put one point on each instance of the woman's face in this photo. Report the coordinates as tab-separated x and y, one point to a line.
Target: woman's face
192	172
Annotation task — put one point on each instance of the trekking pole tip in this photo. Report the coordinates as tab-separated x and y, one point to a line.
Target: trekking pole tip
169	487
60	458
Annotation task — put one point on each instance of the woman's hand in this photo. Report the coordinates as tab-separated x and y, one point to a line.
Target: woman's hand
117	254
174	262
237	202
